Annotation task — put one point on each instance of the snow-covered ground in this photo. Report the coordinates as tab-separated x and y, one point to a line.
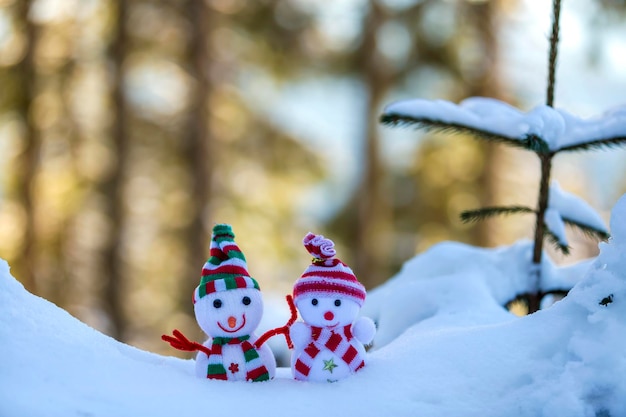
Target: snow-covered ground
445	348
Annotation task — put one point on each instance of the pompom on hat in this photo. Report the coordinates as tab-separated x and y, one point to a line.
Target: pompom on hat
327	276
226	269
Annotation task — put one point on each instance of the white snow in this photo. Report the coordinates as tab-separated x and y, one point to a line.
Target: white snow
574	208
554	222
444	348
556	127
458	285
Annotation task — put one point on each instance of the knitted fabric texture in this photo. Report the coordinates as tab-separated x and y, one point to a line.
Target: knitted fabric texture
255	369
327	276
226	268
341	343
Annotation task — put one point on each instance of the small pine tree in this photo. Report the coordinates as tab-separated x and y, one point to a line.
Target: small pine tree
434	116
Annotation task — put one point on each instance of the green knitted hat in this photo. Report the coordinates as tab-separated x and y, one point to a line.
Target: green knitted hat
226	269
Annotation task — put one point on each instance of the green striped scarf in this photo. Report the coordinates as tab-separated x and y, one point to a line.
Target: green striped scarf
254	367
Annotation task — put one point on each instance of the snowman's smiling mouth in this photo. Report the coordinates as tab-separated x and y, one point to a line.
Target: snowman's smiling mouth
243	323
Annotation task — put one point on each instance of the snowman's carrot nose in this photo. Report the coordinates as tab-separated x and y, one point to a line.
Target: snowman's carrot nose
232	322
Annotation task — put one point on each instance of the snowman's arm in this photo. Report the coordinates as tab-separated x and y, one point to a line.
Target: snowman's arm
180	342
281	330
300	334
364	330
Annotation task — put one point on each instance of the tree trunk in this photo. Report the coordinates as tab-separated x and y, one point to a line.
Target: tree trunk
198	151
26	265
534	299
374	213
112	187
483	17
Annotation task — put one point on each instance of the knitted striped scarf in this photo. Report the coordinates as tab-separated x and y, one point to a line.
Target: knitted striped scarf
323	338
255	370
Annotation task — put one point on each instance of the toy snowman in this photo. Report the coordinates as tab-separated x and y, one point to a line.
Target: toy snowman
228	308
329	343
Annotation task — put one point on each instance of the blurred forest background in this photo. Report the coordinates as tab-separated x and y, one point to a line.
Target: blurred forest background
129	127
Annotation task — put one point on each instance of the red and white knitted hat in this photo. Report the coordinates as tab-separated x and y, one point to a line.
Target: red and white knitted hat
327	276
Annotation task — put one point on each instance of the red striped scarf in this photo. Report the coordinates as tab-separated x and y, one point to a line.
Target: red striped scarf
323	338
255	369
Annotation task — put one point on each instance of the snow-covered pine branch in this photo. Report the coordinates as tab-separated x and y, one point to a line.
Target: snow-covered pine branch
563	209
543	129
436	125
576	212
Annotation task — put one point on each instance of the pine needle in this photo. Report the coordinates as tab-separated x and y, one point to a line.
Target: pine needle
597	144
588	230
552	238
471	216
531	142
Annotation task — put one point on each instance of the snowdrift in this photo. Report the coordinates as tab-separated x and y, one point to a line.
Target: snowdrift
454	284
458	359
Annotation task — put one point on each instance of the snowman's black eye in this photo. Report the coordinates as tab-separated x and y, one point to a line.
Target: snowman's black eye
314	301
337	303
246	300
217	303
